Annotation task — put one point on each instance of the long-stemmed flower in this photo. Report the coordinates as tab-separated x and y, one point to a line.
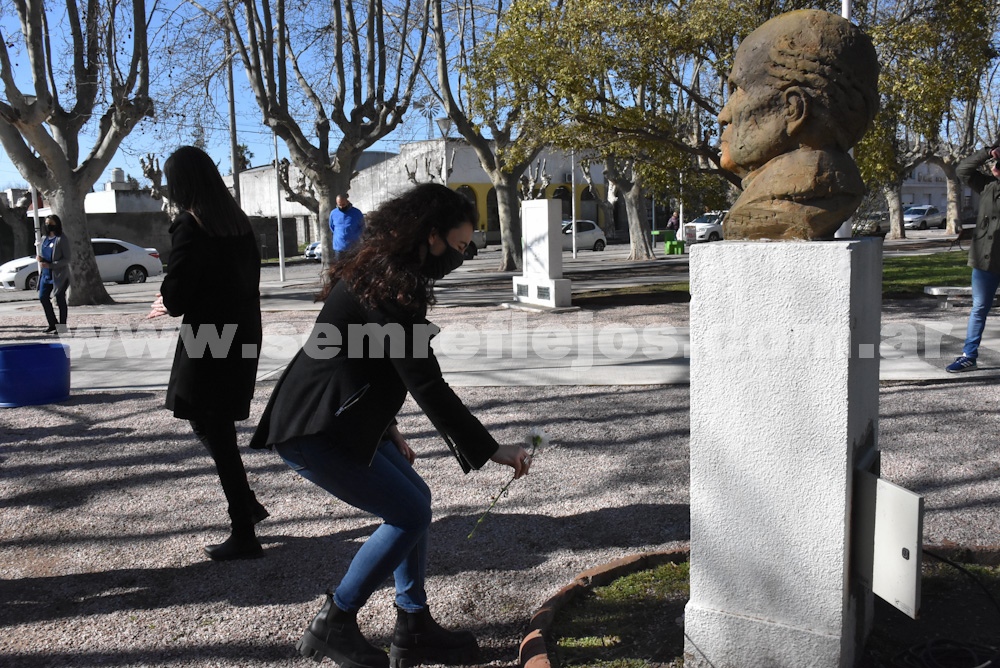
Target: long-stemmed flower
536	440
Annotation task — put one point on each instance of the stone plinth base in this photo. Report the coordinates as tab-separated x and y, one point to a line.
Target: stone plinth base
541	291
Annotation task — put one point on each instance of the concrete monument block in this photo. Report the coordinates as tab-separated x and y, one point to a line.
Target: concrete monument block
784	399
542	283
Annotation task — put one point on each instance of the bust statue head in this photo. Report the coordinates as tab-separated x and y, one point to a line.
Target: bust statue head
803	91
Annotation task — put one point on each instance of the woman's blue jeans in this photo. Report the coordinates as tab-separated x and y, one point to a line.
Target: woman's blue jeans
984	287
390	489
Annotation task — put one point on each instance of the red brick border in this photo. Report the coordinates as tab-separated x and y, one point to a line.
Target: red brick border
533	651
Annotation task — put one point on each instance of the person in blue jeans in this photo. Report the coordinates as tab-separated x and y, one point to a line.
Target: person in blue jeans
53	279
346	224
331	417
984	253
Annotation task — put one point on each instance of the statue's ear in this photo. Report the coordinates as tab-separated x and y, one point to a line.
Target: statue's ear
796	109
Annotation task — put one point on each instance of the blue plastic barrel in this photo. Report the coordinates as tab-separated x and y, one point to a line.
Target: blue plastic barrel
33	373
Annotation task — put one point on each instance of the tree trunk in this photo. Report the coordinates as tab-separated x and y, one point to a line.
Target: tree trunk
640	235
21	229
509	213
24	237
892	198
954	193
86	286
326	192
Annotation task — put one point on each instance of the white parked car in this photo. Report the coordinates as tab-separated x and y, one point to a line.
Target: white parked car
706	227
313	252
588	235
118	261
923	216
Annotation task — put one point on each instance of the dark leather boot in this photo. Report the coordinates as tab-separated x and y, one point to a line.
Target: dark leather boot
419	639
335	633
241	544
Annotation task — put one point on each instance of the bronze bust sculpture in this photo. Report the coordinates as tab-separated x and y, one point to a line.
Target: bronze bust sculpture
803	91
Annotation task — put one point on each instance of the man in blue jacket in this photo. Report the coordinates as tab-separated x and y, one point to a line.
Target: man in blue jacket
346	223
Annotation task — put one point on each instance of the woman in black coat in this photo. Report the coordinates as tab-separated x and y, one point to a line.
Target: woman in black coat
331	417
213	281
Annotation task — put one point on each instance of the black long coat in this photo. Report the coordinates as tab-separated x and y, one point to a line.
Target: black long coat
214	282
349	389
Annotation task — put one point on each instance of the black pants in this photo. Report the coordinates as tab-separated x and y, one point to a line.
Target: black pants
219	438
45	291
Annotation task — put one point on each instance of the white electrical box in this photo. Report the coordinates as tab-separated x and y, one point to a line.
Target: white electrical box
888	531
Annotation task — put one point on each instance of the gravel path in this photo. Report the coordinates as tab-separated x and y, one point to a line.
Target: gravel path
107	501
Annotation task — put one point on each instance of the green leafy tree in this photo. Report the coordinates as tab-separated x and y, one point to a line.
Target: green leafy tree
635	84
486	108
934	56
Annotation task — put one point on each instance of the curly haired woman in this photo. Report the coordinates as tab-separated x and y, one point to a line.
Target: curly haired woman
332	419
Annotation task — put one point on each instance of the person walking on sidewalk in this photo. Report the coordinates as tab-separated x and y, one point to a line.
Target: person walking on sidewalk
213	282
984	252
346	225
331	417
53	279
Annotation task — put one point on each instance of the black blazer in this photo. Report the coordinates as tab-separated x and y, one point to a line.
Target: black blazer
213	281
343	386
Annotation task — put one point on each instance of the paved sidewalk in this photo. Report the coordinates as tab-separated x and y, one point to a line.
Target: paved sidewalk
565	351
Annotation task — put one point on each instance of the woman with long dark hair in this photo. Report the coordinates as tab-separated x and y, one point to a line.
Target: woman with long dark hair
53	279
331	417
213	281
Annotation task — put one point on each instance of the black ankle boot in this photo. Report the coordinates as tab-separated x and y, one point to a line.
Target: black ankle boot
240	545
335	633
419	639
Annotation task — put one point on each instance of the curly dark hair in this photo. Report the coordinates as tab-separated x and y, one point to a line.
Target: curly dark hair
385	264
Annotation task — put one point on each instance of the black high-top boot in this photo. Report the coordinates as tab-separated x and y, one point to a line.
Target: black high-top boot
419	639
335	633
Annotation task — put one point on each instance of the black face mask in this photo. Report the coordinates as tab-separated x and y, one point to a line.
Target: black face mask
51	228
437	266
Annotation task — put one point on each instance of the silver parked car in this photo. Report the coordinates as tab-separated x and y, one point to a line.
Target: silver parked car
923	216
118	261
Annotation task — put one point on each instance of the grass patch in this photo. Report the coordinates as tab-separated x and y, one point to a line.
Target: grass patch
629	295
909	274
901	277
631	623
626	624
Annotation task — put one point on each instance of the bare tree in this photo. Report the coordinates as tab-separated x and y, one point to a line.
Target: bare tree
509	147
605	201
150	165
534	181
622	174
85	56
353	69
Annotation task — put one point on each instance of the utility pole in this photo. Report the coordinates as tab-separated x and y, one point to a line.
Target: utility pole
233	147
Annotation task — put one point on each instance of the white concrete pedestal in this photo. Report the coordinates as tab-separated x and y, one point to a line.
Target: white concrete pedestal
784	399
541	283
